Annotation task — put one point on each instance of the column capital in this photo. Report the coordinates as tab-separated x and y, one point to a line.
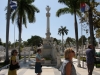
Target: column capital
48	14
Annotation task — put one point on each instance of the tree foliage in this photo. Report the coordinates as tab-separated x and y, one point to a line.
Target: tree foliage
62	31
96	15
70	6
82	40
98	33
35	41
57	41
25	11
70	41
94	41
0	41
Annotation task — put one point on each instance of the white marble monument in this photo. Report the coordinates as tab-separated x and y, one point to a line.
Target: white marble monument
48	47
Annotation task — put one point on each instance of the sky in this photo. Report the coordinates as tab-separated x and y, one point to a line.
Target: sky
39	27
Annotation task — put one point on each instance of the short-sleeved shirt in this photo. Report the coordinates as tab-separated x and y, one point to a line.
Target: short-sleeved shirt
13	58
90	56
38	56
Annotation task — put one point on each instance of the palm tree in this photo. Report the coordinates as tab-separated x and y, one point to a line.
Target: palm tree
72	7
62	31
25	9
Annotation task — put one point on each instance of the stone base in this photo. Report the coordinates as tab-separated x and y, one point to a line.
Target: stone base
47	62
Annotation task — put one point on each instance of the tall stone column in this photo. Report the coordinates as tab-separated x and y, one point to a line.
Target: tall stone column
48	22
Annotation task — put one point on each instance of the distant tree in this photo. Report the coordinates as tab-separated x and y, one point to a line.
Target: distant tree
61	31
0	41
70	41
25	43
58	41
4	44
95	42
82	39
73	41
35	41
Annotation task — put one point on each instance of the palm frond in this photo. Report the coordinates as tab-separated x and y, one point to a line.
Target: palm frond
64	11
25	11
14	15
18	24
62	30
33	7
65	2
29	1
24	20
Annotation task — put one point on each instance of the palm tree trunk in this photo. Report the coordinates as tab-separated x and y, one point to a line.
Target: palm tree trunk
62	44
76	32
7	33
19	45
20	29
91	27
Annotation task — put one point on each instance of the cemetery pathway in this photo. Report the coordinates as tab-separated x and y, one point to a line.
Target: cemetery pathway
29	70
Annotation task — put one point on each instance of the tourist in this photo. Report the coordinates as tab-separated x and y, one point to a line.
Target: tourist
90	59
38	66
12	70
67	67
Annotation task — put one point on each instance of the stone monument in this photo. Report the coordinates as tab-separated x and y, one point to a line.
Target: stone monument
48	47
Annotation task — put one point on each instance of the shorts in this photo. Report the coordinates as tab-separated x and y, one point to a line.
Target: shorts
38	67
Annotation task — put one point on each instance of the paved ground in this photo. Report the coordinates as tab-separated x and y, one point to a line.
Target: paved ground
29	70
83	71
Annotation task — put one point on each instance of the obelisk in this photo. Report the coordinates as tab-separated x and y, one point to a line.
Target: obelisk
48	22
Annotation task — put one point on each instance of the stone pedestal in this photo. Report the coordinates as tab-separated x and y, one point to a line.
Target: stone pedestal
48	50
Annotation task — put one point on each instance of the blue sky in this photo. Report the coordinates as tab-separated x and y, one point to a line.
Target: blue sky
39	27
